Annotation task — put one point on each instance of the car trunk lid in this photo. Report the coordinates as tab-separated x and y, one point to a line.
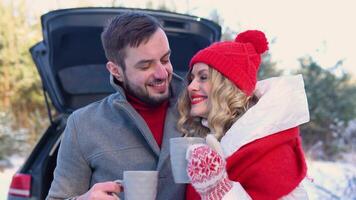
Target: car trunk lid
71	60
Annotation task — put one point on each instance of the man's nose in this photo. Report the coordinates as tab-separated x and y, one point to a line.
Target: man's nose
160	72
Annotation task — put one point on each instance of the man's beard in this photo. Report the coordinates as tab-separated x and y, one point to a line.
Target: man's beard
144	95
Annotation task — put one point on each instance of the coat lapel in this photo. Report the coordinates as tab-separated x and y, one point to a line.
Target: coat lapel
141	126
170	131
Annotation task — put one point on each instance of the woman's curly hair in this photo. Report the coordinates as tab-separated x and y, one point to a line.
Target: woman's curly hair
227	103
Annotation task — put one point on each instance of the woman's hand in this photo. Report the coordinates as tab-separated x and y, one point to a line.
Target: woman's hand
206	170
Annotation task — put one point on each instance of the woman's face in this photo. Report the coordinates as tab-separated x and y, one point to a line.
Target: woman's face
199	89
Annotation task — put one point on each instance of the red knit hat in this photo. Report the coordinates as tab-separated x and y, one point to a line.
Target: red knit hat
237	60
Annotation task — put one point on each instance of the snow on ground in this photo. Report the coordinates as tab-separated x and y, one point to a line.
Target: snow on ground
330	180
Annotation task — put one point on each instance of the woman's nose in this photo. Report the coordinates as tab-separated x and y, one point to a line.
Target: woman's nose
193	86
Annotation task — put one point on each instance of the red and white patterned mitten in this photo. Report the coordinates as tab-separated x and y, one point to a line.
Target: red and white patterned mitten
206	170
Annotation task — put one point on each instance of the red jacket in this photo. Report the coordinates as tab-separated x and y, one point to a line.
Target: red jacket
267	168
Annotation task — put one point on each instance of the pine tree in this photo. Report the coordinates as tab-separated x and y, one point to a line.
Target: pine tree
20	85
332	106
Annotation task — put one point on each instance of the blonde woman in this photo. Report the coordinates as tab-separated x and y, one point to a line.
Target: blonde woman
251	127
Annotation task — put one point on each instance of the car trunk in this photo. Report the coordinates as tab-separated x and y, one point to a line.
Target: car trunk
71	60
71	63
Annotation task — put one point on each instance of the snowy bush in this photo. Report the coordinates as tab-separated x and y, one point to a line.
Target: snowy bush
11	141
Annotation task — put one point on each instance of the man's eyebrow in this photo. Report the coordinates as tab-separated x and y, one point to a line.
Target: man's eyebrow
143	62
167	54
150	60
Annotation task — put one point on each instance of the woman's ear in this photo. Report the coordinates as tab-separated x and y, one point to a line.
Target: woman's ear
115	70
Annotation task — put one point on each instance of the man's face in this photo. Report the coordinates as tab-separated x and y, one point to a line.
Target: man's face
148	70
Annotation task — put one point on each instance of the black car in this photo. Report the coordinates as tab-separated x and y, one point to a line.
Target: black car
71	63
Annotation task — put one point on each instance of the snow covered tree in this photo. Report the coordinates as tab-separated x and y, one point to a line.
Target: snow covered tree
332	106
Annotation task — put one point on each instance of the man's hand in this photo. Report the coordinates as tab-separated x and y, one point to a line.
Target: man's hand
103	191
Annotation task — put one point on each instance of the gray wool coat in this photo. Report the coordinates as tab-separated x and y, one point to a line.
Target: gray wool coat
108	137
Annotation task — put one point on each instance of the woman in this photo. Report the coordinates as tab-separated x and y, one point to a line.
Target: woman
257	152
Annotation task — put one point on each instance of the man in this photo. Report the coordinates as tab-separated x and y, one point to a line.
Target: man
128	130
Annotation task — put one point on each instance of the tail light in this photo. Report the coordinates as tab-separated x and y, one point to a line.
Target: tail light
20	185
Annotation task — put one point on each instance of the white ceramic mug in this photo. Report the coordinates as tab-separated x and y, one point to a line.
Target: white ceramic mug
178	148
139	185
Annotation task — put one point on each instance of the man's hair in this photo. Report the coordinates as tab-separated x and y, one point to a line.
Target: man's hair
128	29
227	103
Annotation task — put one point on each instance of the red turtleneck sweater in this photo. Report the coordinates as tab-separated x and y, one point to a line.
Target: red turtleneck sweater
154	116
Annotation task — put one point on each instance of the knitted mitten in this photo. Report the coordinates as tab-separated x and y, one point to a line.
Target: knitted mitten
206	170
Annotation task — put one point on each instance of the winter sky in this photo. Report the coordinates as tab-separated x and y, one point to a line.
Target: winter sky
323	29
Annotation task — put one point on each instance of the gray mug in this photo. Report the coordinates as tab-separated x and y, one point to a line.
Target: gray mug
139	185
178	148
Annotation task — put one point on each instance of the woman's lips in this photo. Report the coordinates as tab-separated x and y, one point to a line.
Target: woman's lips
195	99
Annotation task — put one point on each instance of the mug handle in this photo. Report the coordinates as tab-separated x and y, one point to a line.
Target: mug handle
120	182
